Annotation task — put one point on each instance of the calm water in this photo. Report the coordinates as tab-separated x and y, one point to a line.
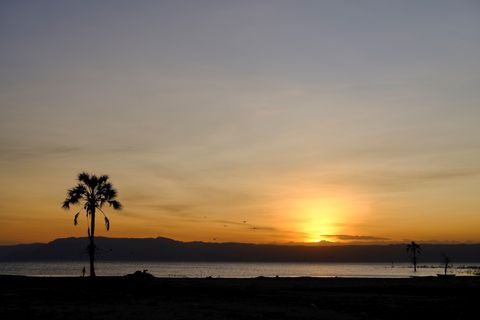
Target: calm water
234	270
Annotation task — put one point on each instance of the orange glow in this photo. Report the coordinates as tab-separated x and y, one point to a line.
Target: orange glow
320	217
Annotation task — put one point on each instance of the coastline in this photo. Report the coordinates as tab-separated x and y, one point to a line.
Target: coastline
237	270
233	298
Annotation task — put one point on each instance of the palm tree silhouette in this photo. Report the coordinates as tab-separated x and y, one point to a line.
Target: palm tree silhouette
414	250
446	262
92	192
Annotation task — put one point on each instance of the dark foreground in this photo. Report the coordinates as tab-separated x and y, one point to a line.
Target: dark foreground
260	298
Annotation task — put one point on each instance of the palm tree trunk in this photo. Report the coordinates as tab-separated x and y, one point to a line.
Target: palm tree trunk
91	251
414	262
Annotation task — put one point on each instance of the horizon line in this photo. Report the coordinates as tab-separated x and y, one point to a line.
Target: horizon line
290	243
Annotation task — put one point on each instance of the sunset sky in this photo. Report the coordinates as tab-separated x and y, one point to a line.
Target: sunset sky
262	121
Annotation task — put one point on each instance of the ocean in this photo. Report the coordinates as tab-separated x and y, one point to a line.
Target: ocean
236	270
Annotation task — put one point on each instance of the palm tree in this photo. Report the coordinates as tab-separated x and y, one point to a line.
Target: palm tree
92	193
446	262
414	250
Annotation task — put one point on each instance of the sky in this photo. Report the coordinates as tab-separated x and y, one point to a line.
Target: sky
263	121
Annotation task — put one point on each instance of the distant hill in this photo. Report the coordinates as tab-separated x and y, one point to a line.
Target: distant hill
163	249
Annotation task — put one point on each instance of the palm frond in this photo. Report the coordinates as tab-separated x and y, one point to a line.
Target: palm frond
84	177
93	183
414	248
75	220
107	194
74	195
107	223
90	180
108	191
115	204
66	204
102	179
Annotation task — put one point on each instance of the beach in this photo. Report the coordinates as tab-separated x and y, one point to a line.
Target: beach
255	298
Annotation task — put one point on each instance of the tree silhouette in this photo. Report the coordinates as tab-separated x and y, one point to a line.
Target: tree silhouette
414	249
92	193
446	262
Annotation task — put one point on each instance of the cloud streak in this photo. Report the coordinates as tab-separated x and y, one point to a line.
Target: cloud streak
348	237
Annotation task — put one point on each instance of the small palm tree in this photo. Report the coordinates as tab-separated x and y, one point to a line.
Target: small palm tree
446	262
414	249
92	193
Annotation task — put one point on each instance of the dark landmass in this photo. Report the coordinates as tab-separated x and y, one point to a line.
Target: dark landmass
163	249
258	298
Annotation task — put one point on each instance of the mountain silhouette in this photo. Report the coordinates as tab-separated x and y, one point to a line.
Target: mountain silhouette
164	249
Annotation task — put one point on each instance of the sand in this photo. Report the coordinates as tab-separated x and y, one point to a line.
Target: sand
258	298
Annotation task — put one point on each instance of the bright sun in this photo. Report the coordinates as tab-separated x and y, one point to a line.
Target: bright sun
320	217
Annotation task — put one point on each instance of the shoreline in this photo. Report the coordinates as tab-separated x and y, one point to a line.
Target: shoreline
239	270
437	276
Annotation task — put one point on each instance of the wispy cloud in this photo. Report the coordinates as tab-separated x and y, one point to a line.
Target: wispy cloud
255	227
400	180
10	151
348	237
173	207
248	225
13	152
263	228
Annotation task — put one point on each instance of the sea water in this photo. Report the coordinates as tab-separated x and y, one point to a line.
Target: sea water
236	270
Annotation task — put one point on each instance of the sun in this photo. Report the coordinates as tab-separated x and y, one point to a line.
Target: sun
319	219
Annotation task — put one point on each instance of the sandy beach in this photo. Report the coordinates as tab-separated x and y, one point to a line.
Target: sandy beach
257	298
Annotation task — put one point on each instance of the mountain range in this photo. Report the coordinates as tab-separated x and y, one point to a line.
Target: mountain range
164	249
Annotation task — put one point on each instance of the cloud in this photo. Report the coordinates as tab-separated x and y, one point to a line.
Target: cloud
255	227
348	237
247	225
264	228
173	208
12	151
407	179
